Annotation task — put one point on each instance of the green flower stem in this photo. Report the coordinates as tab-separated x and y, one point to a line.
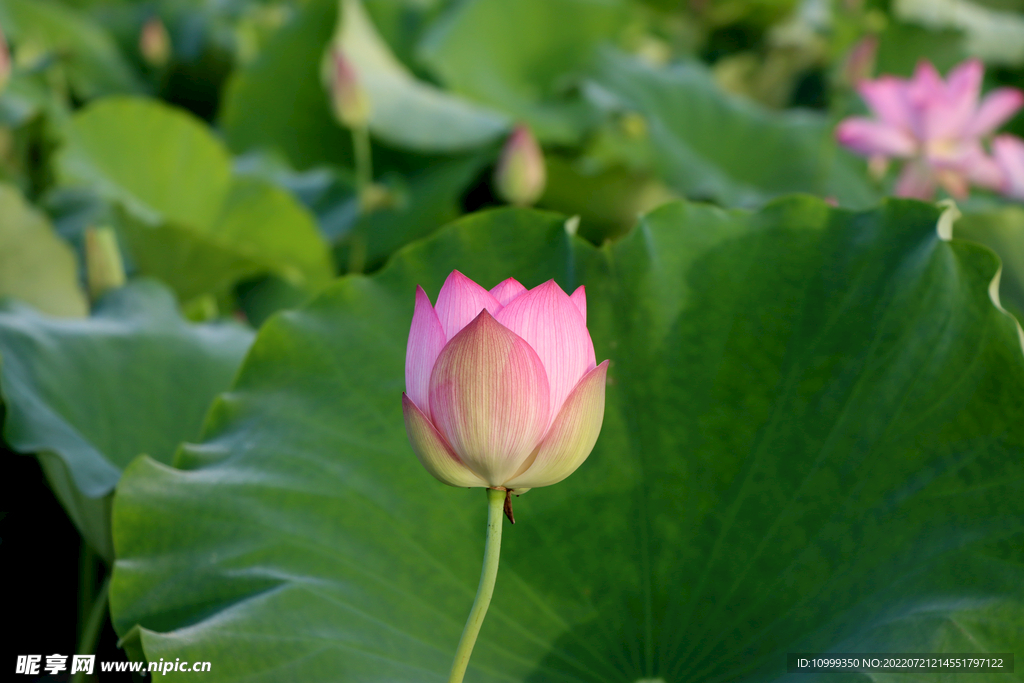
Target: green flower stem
93	627
88	570
492	549
363	161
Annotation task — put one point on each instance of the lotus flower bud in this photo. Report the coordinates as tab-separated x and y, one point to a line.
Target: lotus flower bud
351	103
860	64
103	265
520	176
502	387
155	43
5	61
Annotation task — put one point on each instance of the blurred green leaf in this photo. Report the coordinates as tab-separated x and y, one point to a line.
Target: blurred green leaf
401	23
901	46
608	201
405	111
279	103
848	181
90	395
21	100
812	443
519	56
328	192
36	266
992	31
262	297
189	222
262	229
159	163
417	207
1002	231
90	515
710	145
760	13
94	64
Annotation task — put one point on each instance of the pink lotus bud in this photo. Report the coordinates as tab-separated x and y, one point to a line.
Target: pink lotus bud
351	103
155	43
5	61
860	64
520	176
502	387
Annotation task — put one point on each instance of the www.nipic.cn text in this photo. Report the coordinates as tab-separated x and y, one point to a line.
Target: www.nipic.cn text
33	665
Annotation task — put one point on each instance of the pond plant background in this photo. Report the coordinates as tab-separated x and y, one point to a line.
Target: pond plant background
213	218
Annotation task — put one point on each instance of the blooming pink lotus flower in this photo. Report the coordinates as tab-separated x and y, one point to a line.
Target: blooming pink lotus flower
502	389
936	125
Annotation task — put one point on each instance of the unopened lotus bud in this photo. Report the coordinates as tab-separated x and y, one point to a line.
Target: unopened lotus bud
860	64
520	176
5	61
103	265
502	387
155	43
351	103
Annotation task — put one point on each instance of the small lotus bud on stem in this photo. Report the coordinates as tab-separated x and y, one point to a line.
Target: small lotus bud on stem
351	103
860	64
155	43
5	61
520	176
352	108
103	264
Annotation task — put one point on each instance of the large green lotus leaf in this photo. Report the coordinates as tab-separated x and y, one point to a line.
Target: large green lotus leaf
440	122
516	56
189	222
36	266
812	441
95	66
261	229
711	145
268	224
89	395
278	102
161	163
